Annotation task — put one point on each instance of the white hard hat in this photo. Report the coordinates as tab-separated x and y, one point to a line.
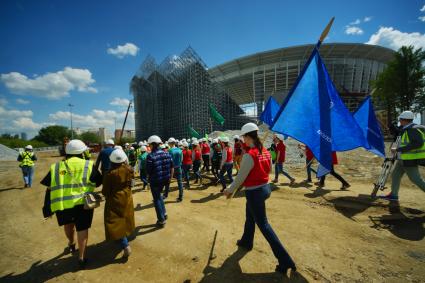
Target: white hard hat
110	141
29	147
183	140
225	139
154	139
126	144
118	147
236	137
180	143
140	143
249	127
143	148
194	139
162	146
75	147
407	115
185	144
195	143
118	156
280	137
171	140
132	148
215	140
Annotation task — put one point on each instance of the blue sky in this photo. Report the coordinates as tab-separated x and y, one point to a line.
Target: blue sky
55	52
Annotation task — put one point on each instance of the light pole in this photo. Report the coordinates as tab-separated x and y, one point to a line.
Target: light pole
70	110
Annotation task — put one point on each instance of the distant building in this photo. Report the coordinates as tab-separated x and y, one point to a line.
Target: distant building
129	134
24	136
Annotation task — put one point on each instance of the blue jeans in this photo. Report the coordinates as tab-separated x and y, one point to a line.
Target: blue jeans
309	169
256	214
158	201
143	178
186	169
28	173
123	242
227	168
178	177
278	168
196	168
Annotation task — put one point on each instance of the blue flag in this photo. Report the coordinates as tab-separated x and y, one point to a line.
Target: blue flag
314	114
365	117
270	111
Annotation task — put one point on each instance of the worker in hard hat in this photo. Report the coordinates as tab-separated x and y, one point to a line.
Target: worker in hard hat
254	176
197	161
119	208
280	159
103	158
187	163
226	166
69	180
205	150
309	157
159	167
177	156
216	157
142	165
26	159
237	152
410	154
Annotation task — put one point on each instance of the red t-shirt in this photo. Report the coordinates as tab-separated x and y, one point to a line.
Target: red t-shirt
238	149
281	148
197	154
334	158
308	153
205	148
187	157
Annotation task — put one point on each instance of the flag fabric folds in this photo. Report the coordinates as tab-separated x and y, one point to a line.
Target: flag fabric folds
270	111
215	115
314	114
366	119
194	133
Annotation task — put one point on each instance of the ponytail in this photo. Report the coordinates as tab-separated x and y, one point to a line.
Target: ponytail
257	142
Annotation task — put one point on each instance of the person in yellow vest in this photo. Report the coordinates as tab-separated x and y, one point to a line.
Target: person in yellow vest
69	180
27	158
410	154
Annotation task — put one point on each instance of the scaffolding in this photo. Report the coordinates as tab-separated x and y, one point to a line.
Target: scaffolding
176	94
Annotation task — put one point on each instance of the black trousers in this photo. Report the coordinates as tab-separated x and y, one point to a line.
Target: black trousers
336	175
206	159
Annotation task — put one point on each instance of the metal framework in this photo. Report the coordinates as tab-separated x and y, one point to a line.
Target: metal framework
176	94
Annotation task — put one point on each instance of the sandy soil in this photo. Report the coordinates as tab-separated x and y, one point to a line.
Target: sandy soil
333	235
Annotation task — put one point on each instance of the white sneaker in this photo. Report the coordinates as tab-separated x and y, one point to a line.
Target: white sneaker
127	251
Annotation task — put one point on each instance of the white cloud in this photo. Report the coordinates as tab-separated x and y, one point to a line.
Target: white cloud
353	30
26	124
128	49
356	22
392	38
14	114
50	85
117	101
17	120
3	101
422	19
367	19
422	9
22	101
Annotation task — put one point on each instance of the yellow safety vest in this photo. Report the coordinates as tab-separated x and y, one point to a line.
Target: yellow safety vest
70	181
418	153
27	159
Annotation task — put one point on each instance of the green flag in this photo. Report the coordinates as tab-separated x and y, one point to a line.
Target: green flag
193	133
216	116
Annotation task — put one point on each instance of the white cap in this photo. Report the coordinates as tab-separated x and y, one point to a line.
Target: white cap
236	137
110	141
154	139
75	147
225	139
407	115
118	156
118	147
185	144
171	140
143	148
280	136
29	147
249	127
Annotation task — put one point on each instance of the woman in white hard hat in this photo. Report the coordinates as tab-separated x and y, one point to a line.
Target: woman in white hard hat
216	158
69	180
187	163
280	159
197	161
254	176
237	152
26	159
142	165
119	209
226	165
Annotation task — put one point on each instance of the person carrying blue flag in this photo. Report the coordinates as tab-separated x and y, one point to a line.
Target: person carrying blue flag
344	184
410	154
280	159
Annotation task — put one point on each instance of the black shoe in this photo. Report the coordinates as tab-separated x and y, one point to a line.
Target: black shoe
241	244
345	186
82	263
160	223
179	199
164	197
284	270
222	190
165	216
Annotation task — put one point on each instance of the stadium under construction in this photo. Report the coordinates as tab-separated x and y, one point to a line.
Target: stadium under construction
174	95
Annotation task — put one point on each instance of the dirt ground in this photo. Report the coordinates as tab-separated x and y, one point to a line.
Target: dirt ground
333	235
